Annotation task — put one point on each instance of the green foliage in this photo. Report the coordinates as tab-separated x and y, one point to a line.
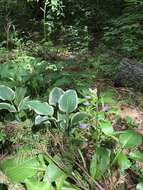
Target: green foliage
40	108
20	168
75	136
125	33
53	172
68	101
24	169
12	101
130	139
123	162
69	119
34	185
106	127
100	163
53	12
6	106
40	76
2	135
6	93
30	72
138	156
78	117
76	38
54	96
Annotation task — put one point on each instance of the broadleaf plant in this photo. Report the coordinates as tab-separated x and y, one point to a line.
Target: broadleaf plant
68	102
6	93
54	96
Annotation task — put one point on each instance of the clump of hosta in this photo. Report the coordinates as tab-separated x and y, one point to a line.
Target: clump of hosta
62	108
65	109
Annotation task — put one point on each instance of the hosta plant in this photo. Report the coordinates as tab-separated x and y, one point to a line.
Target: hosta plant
64	110
61	107
12	101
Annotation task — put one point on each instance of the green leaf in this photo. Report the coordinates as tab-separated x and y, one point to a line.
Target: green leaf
6	93
123	162
106	127
93	165
68	101
62	119
79	116
39	119
19	95
6	106
36	185
23	104
41	108
17	169
130	139
53	172
138	156
54	96
60	181
108	97
139	186
100	163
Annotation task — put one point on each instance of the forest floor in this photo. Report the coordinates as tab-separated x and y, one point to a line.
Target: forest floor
128	103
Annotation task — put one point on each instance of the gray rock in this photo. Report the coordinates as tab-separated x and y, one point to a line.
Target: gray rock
129	74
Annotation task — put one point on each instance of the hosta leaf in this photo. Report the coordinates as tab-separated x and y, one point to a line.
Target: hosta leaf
138	156
123	162
106	127
17	169
62	118
6	93
76	118
23	104
39	119
54	96
19	95
6	106
41	108
130	139
36	185
68	101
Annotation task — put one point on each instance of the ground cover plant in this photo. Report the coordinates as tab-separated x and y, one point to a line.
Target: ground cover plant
64	124
71	130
